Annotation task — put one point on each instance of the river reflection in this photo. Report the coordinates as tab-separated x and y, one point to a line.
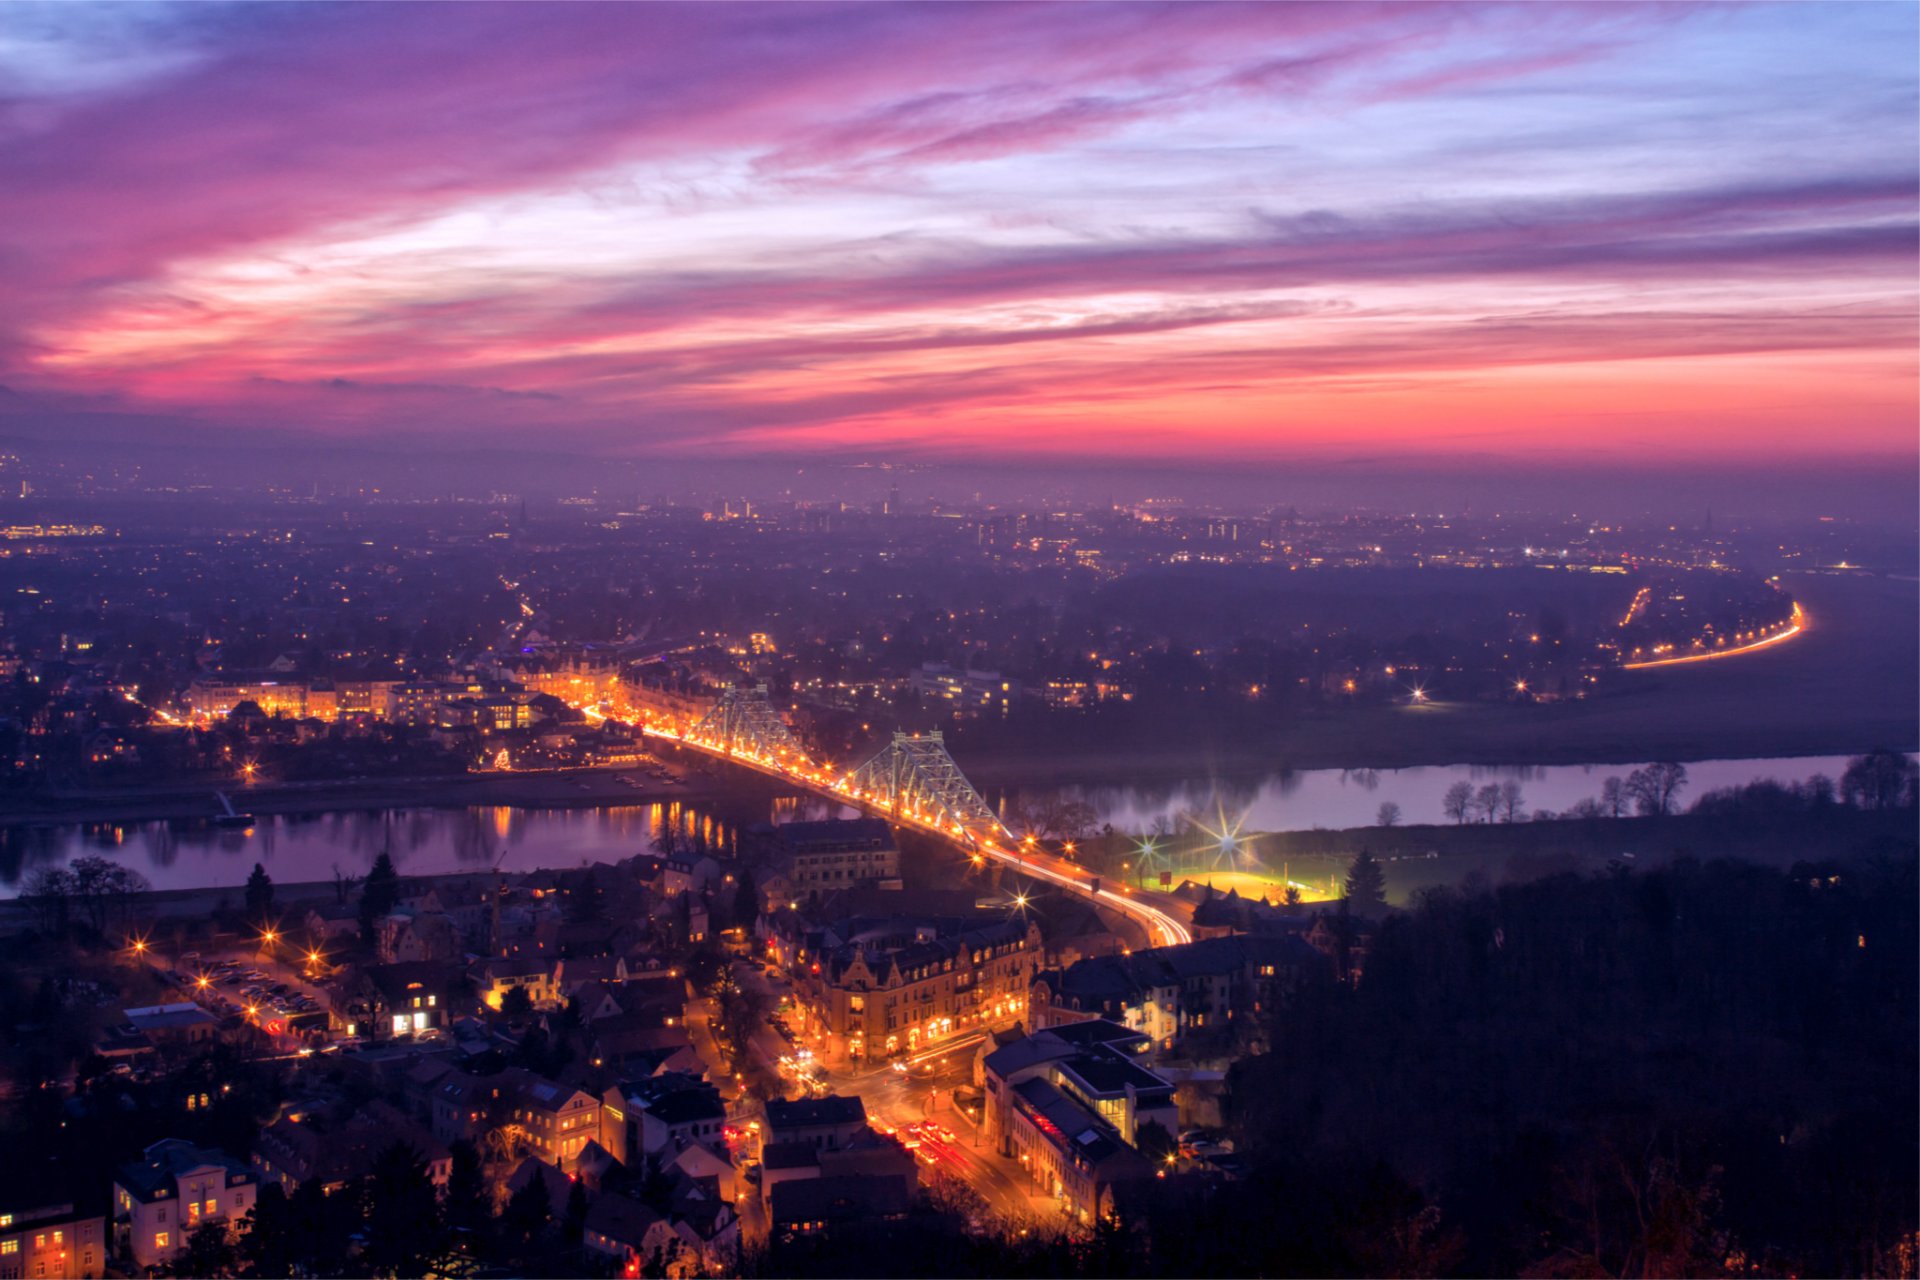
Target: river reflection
311	847
1306	799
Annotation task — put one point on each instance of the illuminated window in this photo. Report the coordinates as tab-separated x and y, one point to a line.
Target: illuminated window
160	1239
40	1241
59	1237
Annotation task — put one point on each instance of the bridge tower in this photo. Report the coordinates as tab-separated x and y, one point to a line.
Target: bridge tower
915	777
744	723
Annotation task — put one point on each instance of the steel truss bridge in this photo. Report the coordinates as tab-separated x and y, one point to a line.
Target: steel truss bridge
912	781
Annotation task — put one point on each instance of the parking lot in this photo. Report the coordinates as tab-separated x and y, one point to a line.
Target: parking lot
269	992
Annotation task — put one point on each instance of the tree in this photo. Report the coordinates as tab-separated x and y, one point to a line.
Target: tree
49	892
468	1206
1614	798
573	1221
267	1235
1389	815
1486	801
259	894
1152	1140
1292	896
1366	884
746	901
1458	802
1655	788
209	1251
1878	780
402	1214
379	894
529	1209
1511	800
516	1003
98	889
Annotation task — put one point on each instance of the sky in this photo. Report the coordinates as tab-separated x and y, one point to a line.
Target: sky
1446	235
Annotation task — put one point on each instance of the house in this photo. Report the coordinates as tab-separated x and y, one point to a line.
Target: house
553	1121
637	1046
811	1206
395	999
173	1025
173	1188
823	856
330	922
538	975
1196	991
337	1149
828	1122
660	1115
702	1160
51	1240
623	1228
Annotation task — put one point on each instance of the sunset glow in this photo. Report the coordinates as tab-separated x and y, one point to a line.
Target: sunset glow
1547	233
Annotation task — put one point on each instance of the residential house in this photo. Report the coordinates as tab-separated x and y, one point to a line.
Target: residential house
173	1188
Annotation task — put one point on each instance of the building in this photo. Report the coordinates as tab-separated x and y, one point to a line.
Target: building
1071	1104
213	697
823	856
829	1123
174	1025
538	975
338	1149
881	987
967	690
51	1240
552	1122
159	1199
811	1206
662	1114
1176	995
394	999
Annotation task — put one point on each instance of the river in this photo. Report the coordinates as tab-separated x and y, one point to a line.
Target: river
1308	799
310	847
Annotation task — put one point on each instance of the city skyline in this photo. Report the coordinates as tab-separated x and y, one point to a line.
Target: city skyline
1451	237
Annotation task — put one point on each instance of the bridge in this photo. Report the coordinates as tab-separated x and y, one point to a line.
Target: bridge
911	781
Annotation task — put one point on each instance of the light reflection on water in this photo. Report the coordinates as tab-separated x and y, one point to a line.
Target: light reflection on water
1301	800
310	847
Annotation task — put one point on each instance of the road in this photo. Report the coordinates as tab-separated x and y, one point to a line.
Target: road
1799	625
1153	912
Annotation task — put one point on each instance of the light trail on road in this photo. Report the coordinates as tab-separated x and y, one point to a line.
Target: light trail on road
1780	637
1161	928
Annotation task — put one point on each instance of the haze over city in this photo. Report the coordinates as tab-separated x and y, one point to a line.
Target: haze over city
1045	639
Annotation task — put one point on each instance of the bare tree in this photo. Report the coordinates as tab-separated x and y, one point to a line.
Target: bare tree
1614	798
1458	802
1656	787
1510	801
1389	815
1880	779
1486	801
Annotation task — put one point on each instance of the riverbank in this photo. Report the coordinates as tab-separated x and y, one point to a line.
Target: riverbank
1423	857
562	789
